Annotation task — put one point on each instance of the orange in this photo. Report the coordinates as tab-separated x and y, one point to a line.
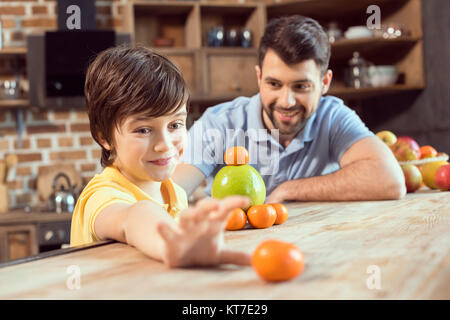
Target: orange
282	212
262	216
236	220
428	152
275	260
236	156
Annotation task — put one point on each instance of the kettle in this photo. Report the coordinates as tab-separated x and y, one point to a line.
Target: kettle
62	200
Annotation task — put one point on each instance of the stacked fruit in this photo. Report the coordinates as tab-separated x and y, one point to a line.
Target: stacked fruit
273	260
239	178
421	165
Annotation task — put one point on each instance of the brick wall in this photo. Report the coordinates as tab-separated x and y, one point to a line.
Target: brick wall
20	18
50	137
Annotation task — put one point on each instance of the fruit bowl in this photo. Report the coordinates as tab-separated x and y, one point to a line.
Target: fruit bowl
440	157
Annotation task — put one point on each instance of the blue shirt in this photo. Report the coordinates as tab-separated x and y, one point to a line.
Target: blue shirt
316	150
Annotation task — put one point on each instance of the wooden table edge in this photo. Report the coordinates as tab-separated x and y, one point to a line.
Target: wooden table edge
54	253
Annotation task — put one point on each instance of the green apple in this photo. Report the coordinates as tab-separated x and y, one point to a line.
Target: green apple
387	137
241	180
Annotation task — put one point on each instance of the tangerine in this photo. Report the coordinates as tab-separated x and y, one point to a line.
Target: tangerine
275	260
282	212
236	220
428	152
236	156
262	216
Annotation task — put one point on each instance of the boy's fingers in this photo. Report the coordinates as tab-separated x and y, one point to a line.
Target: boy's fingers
187	217
228	256
166	232
230	203
205	206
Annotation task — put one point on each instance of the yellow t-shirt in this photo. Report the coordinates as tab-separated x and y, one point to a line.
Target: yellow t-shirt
112	187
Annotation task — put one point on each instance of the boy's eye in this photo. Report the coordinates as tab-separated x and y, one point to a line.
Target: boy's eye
143	130
273	84
177	125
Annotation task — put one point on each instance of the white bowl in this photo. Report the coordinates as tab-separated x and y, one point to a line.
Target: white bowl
381	76
356	32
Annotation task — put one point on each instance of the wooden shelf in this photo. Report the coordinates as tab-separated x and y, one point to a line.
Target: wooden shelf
321	8
212	99
369	47
13	51
229	50
370	92
14	103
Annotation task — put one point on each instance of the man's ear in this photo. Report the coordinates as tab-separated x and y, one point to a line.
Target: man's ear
326	81
258	75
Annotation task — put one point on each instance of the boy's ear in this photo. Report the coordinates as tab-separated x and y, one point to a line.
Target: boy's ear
103	142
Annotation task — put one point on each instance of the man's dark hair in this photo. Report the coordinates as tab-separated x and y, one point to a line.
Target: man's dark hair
295	39
124	81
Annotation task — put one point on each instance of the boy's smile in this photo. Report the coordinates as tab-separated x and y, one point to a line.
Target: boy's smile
147	150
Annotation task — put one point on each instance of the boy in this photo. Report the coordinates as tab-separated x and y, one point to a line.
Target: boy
137	106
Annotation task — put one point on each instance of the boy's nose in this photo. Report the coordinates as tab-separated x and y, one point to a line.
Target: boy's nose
164	143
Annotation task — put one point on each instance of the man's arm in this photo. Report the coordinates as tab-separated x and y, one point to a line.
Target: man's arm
188	177
369	171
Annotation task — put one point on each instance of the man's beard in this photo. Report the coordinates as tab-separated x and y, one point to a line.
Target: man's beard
285	128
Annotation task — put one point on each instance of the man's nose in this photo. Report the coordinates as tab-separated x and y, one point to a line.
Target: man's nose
164	142
287	99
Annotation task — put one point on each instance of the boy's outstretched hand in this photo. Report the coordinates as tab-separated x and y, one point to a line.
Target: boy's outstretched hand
198	239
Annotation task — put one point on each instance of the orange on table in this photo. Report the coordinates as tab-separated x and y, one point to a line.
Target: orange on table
282	212
262	216
236	220
276	260
428	152
236	156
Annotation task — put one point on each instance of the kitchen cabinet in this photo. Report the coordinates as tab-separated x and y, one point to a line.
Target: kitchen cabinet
27	234
17	242
224	73
212	73
404	52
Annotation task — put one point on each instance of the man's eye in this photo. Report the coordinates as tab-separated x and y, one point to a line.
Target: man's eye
301	87
274	84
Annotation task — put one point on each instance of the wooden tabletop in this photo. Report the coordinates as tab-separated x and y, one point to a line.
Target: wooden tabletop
353	250
22	217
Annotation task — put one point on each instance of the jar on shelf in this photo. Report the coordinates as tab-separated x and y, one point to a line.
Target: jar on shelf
356	74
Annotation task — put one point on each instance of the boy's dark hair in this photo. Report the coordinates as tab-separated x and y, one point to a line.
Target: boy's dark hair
296	39
124	81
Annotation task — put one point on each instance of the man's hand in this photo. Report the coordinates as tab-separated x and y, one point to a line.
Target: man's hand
277	195
198	239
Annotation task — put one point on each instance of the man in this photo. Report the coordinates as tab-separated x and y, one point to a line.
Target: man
319	149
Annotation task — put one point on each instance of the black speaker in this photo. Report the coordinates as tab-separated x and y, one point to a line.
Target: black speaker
57	61
76	15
